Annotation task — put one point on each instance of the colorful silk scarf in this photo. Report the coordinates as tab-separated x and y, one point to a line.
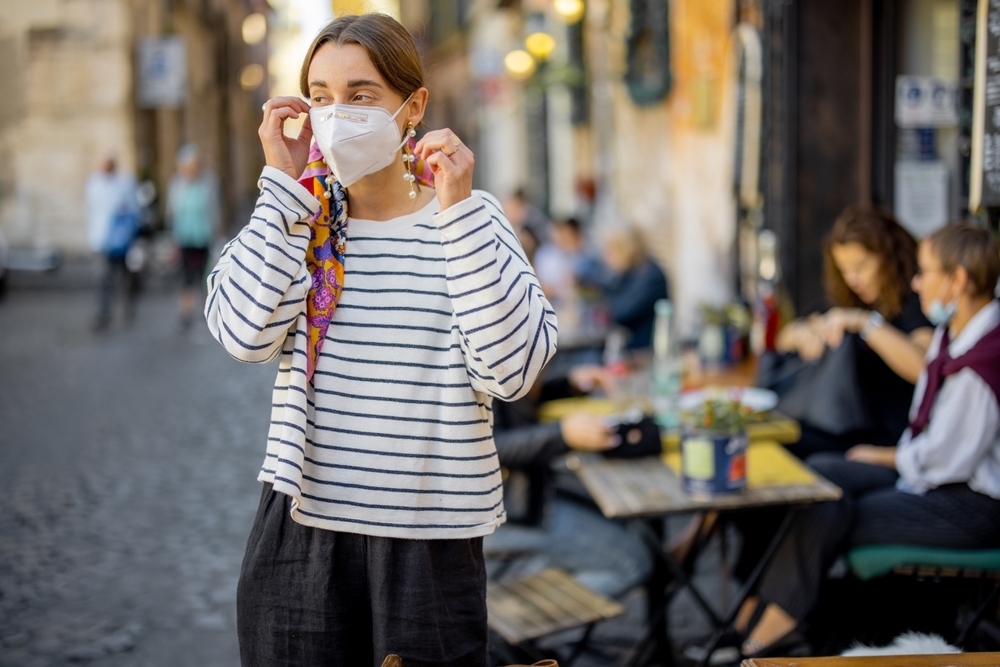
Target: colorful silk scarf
328	245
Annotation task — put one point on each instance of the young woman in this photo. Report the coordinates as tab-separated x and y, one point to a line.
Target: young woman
869	261
940	487
398	313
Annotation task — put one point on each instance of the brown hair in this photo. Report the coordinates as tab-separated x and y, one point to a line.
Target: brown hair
389	45
973	248
878	232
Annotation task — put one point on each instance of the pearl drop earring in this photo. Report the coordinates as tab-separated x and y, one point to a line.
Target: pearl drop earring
408	158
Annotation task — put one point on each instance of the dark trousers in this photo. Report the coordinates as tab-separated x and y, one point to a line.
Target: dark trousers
115	272
872	511
309	597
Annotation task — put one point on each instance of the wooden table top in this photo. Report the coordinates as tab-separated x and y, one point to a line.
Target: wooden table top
772	425
950	660
651	486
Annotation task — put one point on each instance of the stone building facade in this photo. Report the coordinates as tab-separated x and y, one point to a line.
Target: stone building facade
68	97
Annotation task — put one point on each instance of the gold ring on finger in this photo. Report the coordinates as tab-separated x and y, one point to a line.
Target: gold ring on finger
455	141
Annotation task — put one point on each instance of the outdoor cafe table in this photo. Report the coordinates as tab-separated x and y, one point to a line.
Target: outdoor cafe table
651	488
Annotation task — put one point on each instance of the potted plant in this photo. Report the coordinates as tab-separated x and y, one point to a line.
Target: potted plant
713	447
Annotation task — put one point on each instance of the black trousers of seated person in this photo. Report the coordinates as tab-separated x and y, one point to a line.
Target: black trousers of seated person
871	511
309	597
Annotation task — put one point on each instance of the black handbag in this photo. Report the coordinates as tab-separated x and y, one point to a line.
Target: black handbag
825	394
638	439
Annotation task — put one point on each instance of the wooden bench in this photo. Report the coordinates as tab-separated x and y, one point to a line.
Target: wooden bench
528	608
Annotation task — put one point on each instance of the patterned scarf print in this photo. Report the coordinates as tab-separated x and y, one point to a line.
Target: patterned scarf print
328	245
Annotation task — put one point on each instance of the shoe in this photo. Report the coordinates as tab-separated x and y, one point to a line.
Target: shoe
726	653
792	644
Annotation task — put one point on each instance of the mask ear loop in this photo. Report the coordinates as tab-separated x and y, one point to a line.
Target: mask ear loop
408	158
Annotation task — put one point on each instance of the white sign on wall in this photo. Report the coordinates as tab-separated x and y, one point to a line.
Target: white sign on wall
162	73
923	101
921	201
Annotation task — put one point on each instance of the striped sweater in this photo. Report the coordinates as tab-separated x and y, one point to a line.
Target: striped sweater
440	314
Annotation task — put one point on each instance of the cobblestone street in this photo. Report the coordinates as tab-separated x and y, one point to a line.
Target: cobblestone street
128	465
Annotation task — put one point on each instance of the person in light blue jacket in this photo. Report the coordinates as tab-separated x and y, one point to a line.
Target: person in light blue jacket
193	214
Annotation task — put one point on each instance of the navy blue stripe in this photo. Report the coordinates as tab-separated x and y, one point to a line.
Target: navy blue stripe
470	254
406	309
405	346
259	280
416	420
409	274
396	436
495	303
252	348
393	239
389	399
468	233
401	507
369	452
369	325
275	246
390	381
389	255
404	364
266	309
460	218
474	271
381	471
395	291
390	489
513	310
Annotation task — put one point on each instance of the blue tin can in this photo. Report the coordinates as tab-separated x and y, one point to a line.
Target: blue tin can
713	462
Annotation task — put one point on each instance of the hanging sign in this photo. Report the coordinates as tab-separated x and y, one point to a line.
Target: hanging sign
162	73
984	186
923	101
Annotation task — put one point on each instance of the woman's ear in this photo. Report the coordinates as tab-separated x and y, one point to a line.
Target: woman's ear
416	107
961	284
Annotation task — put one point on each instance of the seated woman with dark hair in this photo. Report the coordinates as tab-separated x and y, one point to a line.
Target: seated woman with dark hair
940	487
869	262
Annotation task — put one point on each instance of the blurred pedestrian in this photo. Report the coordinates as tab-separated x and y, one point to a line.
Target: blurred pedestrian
636	285
193	215
399	312
112	223
522	213
585	264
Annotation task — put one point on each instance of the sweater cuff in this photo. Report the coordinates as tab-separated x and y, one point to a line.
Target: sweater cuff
465	226
289	192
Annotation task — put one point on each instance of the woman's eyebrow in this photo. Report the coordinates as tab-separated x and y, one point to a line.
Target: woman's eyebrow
358	83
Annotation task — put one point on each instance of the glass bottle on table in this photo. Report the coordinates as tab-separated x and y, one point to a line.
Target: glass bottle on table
666	368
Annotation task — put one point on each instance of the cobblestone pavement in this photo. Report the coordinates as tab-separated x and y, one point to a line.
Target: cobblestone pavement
127	468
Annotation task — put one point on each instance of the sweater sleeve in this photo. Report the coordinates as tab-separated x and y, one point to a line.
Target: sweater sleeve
508	327
258	288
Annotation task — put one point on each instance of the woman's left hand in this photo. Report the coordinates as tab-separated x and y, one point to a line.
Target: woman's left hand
451	162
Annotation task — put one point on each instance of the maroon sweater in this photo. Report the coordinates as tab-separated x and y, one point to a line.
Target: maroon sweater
983	359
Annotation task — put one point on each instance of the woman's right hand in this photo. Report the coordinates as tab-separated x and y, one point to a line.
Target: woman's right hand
587	433
803	337
285	153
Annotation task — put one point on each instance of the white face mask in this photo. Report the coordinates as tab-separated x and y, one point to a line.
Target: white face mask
356	140
939	313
